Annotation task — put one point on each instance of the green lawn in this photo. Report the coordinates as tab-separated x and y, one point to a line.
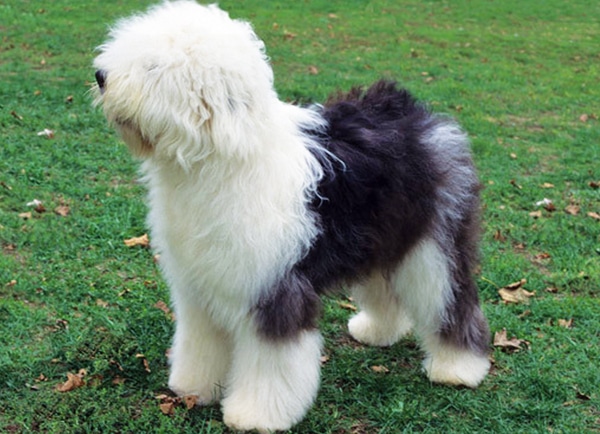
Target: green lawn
522	77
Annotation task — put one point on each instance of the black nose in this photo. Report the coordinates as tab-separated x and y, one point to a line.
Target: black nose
101	79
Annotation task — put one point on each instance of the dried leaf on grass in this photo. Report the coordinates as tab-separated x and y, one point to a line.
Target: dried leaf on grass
572	209
566	323
516	293
142	241
74	381
513	344
348	306
168	403
46	132
37	205
594	215
163	306
62	210
380	369
144	362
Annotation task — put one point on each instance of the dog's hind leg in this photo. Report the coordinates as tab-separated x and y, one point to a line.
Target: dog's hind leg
382	319
447	316
272	383
200	355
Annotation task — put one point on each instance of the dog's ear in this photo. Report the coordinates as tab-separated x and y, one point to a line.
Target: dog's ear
237	107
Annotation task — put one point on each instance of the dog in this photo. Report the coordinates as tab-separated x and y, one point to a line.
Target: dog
257	207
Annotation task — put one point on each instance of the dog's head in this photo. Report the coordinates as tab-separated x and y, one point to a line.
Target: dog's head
184	81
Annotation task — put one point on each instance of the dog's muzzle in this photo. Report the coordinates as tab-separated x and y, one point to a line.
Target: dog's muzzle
101	79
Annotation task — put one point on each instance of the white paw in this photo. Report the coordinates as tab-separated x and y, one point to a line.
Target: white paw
379	333
188	385
248	415
455	367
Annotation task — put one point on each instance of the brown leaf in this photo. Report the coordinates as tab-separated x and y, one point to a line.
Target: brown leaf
73	382
15	115
380	369
572	209
25	215
547	185
144	362
163	306
594	215
167	408
37	205
594	184
348	306
584	117
515	293
566	323
498	236
62	210
501	340
536	214
542	256
190	401
142	241
313	70
46	133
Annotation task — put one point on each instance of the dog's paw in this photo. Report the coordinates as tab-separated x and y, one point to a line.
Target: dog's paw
254	416
183	386
457	368
369	331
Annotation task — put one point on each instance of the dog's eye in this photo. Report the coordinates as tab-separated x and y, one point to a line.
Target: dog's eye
101	79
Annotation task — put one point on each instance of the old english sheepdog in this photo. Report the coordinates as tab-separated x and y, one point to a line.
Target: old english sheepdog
257	207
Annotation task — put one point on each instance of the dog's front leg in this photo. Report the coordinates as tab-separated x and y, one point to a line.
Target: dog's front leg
272	383
200	355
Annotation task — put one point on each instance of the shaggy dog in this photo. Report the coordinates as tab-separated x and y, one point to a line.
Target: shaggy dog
257	207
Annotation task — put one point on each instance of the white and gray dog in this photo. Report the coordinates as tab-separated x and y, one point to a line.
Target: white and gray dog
257	207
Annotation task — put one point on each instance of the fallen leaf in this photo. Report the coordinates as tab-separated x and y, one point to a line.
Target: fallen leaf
190	401
542	256
594	184
37	205
348	306
498	236
313	70
144	362
535	214
547	185
572	209
513	155
143	241
163	306
101	303
73	382
584	117
167	408
514	184
566	323
324	359
15	115
380	369
501	340
25	215
46	133
547	204
515	293
594	215
62	210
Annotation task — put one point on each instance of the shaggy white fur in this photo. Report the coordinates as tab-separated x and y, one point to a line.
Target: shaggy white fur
229	227
231	172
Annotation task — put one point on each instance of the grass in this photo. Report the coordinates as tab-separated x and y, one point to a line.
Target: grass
522	78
